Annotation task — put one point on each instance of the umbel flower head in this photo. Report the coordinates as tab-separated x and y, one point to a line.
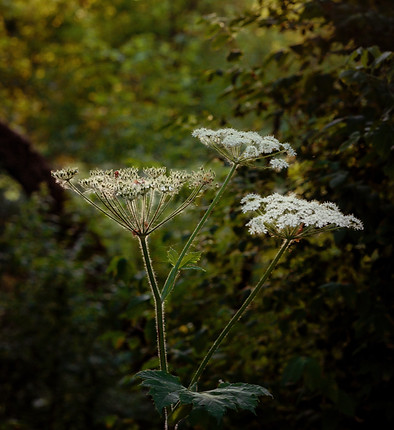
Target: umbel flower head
245	147
138	201
291	218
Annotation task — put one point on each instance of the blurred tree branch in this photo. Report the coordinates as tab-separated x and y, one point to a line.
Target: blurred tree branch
24	164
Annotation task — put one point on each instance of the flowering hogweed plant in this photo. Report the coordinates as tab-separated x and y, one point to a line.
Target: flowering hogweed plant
245	147
142	201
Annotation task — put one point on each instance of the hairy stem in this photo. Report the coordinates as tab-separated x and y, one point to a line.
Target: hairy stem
170	281
159	304
239	313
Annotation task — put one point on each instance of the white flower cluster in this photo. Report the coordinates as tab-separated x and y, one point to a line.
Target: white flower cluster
129	184
64	175
137	201
292	218
244	147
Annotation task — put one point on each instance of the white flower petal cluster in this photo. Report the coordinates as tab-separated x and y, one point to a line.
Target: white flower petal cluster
244	147
279	164
293	218
137	201
251	202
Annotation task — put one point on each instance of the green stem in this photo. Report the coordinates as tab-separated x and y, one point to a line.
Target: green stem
159	304
170	281
239	313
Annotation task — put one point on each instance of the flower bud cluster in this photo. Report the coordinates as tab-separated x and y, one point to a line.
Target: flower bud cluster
244	147
292	218
64	175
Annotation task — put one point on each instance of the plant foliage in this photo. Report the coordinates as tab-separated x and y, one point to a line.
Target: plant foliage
166	390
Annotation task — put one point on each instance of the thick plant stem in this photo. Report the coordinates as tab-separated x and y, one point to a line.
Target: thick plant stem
169	284
239	313
159	304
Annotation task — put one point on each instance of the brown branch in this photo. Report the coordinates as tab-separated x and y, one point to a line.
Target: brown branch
27	166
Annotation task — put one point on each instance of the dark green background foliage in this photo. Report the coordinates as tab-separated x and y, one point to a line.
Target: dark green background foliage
114	83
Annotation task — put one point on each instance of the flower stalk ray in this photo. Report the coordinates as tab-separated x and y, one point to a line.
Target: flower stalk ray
140	203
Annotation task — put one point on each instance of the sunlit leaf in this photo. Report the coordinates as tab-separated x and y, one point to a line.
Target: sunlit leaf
189	261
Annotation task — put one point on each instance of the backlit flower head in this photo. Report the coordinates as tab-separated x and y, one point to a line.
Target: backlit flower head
245	147
64	175
139	201
292	218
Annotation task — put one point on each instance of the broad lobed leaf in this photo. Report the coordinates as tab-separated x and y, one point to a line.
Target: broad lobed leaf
166	389
163	387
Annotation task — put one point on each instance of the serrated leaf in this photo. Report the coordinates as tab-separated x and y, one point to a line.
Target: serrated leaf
215	404
172	256
226	396
246	394
167	390
188	261
163	387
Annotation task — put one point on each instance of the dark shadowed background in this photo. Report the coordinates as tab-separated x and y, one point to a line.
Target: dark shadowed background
115	83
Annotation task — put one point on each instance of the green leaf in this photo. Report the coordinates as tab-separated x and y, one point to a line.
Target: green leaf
119	268
215	404
181	412
294	370
172	256
188	261
226	396
381	58
164	388
307	368
194	268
